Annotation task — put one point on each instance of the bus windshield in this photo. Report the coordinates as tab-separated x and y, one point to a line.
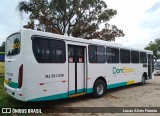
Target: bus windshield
13	45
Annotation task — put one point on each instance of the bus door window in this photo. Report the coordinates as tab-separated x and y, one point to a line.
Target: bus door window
70	55
80	55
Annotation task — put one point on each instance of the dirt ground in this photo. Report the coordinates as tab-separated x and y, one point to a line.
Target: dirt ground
147	95
131	96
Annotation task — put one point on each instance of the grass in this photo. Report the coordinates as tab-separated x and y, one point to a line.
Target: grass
5	99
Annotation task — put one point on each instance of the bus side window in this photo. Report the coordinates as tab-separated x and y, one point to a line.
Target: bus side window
112	55
125	56
57	48
92	54
134	56
41	50
143	57
48	50
96	54
101	58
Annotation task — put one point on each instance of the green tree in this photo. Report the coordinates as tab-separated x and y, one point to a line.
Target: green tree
2	47
154	46
78	18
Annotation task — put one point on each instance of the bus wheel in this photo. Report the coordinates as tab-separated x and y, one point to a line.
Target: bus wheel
143	80
99	89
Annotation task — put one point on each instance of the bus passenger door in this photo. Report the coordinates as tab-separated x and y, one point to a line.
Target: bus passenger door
76	69
150	66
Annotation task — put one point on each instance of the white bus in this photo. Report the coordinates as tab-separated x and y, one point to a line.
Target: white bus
45	66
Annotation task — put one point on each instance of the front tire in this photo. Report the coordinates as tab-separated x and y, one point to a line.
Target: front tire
99	89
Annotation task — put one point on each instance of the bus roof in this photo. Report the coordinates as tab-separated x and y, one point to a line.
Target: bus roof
81	40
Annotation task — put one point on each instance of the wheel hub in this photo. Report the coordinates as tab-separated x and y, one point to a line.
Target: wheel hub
100	89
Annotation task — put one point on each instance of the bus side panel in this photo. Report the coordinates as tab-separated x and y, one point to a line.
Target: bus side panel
44	81
95	70
115	74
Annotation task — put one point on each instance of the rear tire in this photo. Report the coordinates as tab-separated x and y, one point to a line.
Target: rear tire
143	81
99	89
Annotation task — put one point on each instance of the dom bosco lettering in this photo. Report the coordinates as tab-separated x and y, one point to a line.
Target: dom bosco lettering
122	70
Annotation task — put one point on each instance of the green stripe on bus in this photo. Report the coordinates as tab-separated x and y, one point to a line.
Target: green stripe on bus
72	92
59	96
80	90
116	85
65	95
52	97
13	85
89	90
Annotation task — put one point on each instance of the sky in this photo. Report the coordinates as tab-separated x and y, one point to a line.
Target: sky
139	19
